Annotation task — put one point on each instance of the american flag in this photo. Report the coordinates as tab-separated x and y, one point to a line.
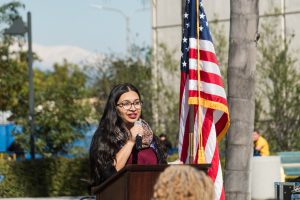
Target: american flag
213	103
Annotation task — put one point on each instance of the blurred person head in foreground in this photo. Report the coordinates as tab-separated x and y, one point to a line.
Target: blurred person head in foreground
183	182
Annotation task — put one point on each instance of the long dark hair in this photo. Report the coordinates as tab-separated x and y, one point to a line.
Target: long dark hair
105	145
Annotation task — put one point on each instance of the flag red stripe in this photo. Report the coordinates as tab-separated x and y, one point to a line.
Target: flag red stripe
220	125
213	171
196	156
185	143
204	55
206	77
222	197
206	126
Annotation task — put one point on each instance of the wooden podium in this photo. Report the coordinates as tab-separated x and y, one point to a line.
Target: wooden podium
133	182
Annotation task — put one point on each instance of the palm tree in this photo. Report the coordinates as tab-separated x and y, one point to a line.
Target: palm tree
241	95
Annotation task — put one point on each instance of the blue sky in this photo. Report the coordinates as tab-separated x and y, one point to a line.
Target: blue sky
76	23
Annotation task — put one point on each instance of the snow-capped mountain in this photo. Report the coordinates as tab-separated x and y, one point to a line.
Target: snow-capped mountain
56	54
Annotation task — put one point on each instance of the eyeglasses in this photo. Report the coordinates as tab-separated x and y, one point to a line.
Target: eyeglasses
127	105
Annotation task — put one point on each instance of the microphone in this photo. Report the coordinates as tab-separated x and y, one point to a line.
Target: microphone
138	138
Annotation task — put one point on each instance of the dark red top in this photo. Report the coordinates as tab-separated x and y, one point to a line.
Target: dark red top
143	157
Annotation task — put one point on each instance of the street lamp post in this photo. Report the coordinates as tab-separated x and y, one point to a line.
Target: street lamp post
19	28
127	21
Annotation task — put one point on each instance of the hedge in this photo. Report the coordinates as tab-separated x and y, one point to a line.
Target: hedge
44	177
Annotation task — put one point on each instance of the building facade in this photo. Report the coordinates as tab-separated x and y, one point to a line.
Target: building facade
167	19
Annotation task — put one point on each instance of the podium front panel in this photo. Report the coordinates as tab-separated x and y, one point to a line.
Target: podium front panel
134	182
142	183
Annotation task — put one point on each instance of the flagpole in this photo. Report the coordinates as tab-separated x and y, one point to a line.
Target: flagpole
201	156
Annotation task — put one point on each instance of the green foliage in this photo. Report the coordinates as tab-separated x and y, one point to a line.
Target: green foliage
279	91
167	100
60	112
12	71
13	82
9	11
113	71
42	178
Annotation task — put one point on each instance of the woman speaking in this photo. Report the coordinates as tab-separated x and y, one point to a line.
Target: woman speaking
115	143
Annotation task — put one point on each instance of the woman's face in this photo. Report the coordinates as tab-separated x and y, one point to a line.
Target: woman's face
129	107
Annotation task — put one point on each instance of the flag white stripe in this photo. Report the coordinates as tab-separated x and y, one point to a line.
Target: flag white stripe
218	184
204	45
205	66
210	144
217	115
208	88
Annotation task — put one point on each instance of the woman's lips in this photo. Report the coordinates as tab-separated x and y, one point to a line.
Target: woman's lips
132	116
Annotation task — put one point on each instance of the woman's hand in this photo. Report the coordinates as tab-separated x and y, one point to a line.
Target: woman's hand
137	129
124	153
